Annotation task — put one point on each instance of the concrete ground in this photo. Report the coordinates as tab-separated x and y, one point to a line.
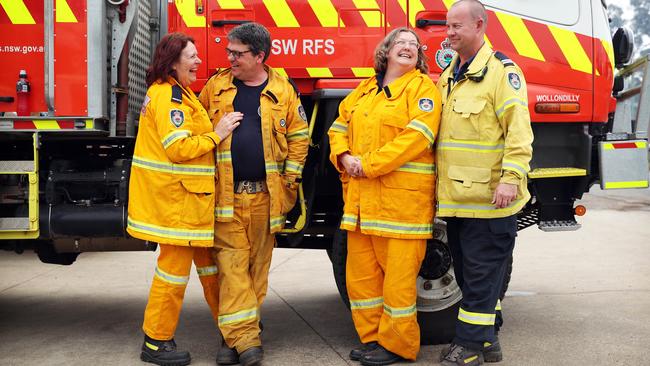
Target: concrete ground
576	298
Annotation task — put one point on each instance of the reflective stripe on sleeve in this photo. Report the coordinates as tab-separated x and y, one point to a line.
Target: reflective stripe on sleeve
475	318
170	278
423	129
174	136
207	271
361	304
166	232
514	166
421	168
277	221
298	135
339	127
238	317
171	168
400	312
509	103
291	166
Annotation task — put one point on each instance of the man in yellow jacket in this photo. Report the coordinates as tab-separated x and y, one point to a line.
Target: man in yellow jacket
258	173
483	156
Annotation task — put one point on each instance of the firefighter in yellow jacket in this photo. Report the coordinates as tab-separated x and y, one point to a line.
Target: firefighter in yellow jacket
258	173
171	192
382	143
483	153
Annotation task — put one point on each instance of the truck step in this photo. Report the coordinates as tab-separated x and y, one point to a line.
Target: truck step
559	225
14	223
16	166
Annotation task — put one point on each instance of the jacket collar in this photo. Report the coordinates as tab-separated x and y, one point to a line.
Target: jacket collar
476	68
397	86
273	89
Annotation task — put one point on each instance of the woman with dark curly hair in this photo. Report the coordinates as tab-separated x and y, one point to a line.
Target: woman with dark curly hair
171	192
381	143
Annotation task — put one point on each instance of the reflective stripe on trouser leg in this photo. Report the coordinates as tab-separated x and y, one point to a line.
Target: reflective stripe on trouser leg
207	270
485	246
364	279
167	291
243	254
399	331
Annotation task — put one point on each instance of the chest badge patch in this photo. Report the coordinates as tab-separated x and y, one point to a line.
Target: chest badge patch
301	112
425	104
283	123
514	81
176	117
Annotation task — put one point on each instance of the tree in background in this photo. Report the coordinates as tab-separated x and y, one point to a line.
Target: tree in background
615	17
641	25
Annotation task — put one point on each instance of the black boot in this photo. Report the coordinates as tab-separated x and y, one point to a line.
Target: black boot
492	351
379	357
163	353
458	355
357	353
252	356
227	355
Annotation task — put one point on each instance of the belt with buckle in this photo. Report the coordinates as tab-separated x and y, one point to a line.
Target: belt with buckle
251	187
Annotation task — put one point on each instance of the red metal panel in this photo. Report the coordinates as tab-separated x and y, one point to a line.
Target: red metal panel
70	62
21	47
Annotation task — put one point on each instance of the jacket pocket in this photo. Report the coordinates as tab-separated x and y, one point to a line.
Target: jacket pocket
279	146
470	184
392	124
198	204
465	125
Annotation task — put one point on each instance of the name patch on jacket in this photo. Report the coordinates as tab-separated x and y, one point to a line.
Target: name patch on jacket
425	104
514	81
176	117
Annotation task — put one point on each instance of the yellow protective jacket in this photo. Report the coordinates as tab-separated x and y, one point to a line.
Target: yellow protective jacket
485	137
171	191
285	137
393	133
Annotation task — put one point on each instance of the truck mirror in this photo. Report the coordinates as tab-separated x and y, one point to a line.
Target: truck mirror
623	41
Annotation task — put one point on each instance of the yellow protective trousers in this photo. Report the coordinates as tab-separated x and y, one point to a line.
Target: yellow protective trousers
168	288
243	253
380	275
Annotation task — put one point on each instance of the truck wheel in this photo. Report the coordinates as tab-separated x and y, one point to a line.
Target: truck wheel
438	295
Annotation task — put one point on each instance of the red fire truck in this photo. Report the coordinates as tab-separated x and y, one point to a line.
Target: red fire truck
72	83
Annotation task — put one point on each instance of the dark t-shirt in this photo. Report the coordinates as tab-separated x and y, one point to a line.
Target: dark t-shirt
247	149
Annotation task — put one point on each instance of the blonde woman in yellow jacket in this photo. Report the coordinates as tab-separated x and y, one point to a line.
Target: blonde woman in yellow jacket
382	143
171	192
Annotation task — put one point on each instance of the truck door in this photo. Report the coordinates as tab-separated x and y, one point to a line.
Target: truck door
429	20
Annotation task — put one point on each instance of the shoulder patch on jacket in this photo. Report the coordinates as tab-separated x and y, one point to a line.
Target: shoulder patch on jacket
425	104
176	117
514	80
177	94
505	60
